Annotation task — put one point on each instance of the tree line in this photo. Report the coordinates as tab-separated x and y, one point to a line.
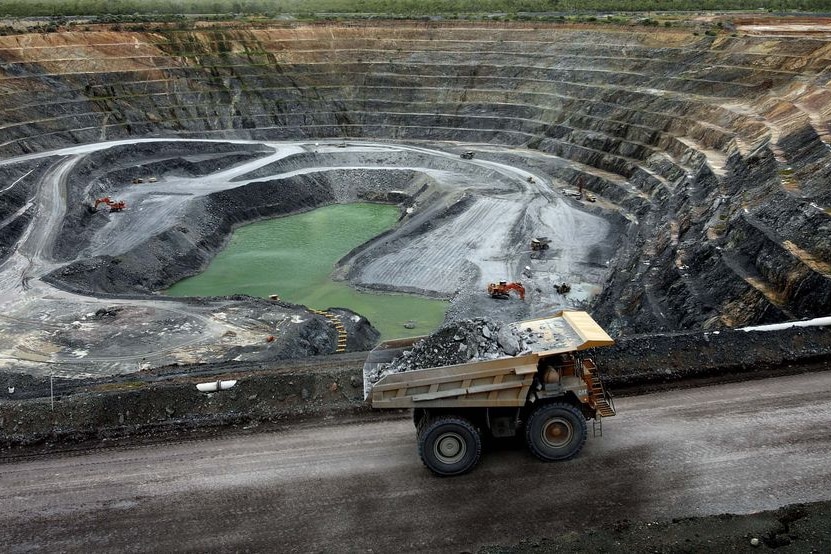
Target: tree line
54	8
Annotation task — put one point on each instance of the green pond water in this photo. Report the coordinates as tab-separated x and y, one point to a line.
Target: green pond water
293	257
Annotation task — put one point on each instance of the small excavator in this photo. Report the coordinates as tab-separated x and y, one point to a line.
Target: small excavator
502	289
114	205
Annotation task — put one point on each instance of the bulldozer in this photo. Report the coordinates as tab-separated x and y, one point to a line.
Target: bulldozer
114	205
502	289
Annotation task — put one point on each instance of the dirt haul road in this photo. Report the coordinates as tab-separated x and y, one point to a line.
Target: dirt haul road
358	485
76	289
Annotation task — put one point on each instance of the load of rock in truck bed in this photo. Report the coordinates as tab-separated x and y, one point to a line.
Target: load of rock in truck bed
458	343
481	339
462	342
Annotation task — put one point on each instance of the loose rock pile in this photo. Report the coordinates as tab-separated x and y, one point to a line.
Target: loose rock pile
461	342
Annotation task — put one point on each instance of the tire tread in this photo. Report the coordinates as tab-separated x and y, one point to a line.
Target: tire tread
432	424
580	428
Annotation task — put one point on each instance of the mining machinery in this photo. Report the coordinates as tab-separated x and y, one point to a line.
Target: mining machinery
502	289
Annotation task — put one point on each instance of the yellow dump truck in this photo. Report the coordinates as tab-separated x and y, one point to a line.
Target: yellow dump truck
548	394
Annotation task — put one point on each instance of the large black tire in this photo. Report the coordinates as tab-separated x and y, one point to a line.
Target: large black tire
556	432
449	445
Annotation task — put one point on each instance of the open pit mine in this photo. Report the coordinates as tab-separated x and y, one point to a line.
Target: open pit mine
673	182
679	178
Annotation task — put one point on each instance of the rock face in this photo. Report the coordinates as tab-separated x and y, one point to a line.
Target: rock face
16	208
713	149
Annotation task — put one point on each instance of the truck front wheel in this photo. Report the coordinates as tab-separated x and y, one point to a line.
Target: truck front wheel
556	432
449	445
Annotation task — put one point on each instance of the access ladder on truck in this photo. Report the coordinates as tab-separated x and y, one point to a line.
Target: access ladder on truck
600	397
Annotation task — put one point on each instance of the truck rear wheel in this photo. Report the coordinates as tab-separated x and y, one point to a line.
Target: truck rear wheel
449	445
556	432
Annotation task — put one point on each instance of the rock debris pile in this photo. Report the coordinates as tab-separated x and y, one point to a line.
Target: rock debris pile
461	342
457	343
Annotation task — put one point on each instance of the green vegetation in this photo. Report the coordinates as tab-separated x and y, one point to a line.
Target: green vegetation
157	9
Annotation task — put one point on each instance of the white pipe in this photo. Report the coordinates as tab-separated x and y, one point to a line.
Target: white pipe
214	386
817	322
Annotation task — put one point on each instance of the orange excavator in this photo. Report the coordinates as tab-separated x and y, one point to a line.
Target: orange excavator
502	289
114	205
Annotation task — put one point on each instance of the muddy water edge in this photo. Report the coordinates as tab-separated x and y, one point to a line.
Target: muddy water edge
293	257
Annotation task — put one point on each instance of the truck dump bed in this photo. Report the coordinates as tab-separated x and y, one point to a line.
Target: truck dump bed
479	383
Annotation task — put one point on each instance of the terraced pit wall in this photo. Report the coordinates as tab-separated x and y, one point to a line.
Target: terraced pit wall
714	148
